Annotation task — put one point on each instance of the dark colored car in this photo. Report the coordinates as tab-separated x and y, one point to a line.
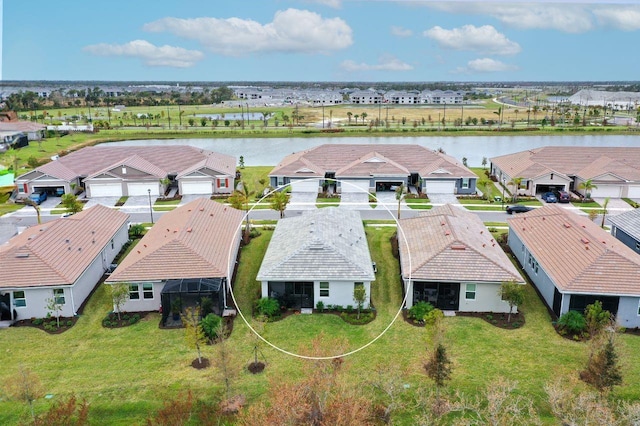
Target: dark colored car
549	197
563	197
518	208
38	197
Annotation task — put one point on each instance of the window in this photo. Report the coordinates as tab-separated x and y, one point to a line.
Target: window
112	245
280	181
222	183
324	289
19	299
639	308
470	292
58	293
147	291
134	292
465	183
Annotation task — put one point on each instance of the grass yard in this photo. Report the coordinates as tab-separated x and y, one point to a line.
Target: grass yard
256	178
127	373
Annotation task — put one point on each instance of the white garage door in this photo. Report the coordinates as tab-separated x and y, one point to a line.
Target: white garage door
440	187
197	188
634	192
352	185
306	185
143	188
602	191
105	190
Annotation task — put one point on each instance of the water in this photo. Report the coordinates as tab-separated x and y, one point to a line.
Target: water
235	116
269	152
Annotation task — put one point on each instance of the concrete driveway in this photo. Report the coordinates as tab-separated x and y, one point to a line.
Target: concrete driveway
438	199
302	200
190	197
105	201
615	206
354	200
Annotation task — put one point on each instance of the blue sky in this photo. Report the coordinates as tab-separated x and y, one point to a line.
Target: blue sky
320	40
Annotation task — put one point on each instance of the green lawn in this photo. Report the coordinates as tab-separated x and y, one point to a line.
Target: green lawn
252	177
327	202
589	204
126	373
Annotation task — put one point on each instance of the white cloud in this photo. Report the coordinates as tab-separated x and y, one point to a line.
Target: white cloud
336	4
401	32
385	63
567	17
489	65
292	30
485	39
155	56
623	18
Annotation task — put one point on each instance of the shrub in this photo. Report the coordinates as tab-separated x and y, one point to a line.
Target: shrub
69	323
419	310
133	320
125	317
267	306
37	321
106	323
596	318
573	322
211	325
136	316
206	306
349	309
320	306
433	316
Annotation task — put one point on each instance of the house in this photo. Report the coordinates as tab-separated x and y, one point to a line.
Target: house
64	258
116	171
450	259
373	167
614	170
189	254
573	262
34	131
626	228
319	256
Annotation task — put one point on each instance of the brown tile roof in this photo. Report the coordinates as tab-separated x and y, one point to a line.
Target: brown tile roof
135	162
577	254
21	126
584	162
451	244
58	252
402	159
167	159
192	241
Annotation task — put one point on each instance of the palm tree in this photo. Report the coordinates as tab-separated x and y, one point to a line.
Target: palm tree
587	185
279	201
349	114
239	199
604	211
399	196
363	115
516	181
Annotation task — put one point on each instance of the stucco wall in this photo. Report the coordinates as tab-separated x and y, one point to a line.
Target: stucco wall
142	304
628	312
340	293
487	299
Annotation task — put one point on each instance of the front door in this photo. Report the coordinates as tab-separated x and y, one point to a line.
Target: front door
5	307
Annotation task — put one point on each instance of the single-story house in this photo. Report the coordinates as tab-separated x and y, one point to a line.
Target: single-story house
64	258
116	171
319	256
573	262
372	168
626	228
614	170
188	255
450	259
34	131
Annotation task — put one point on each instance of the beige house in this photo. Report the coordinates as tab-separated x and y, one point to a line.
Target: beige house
189	254
450	259
614	170
64	258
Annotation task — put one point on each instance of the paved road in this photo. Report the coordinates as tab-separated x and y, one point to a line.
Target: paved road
11	224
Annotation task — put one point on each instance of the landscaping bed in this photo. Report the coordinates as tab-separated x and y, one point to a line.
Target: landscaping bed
126	319
497	319
48	324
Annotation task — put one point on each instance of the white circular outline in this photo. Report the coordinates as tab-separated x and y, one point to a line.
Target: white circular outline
318	358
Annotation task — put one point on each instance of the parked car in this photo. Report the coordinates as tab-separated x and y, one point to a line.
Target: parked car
563	197
549	197
38	197
518	208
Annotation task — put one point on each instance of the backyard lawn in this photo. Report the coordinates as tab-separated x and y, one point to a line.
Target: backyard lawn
127	373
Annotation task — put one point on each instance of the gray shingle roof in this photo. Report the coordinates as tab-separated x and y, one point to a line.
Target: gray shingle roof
629	222
323	244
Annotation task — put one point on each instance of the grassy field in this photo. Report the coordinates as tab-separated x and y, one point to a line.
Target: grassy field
127	373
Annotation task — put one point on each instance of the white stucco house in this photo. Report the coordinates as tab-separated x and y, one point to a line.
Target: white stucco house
573	262
450	259
319	256
64	258
189	254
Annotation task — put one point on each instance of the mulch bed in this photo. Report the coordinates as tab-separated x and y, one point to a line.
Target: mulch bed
126	319
65	324
496	319
256	367
199	365
289	312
